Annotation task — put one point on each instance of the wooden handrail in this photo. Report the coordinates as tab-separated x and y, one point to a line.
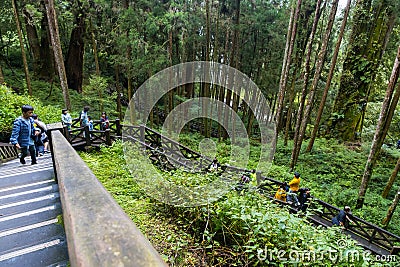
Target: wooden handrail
98	232
7	152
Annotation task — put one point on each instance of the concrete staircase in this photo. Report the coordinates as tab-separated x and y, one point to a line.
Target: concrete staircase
31	230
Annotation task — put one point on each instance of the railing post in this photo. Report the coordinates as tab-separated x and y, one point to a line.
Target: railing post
51	128
118	127
66	133
142	132
87	136
258	177
108	137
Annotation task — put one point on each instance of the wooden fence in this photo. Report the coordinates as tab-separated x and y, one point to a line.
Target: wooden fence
8	152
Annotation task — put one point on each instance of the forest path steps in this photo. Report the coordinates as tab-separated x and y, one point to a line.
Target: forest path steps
31	230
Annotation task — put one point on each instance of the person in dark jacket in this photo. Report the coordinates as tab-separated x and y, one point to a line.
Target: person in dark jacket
342	219
23	134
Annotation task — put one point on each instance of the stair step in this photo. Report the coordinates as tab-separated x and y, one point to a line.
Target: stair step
32	203
42	254
25	169
27	176
30	217
28	194
29	186
30	234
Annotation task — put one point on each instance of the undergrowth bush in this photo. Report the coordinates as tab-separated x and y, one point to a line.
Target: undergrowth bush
10	109
241	229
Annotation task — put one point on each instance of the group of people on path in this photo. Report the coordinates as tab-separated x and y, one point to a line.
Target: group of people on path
300	198
85	119
293	194
29	133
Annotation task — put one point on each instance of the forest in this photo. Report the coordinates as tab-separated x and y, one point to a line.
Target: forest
327	79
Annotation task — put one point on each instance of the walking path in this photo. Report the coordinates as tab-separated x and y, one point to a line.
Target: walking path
31	232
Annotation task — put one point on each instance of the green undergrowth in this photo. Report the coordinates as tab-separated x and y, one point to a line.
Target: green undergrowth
10	109
240	229
332	170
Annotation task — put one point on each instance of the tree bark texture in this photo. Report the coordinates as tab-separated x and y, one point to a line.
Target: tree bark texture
329	78
1	76
391	180
317	75
33	40
284	77
55	40
364	53
21	43
305	76
74	61
47	60
380	131
391	209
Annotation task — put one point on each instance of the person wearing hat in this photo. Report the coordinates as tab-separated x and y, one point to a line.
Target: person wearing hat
342	219
66	118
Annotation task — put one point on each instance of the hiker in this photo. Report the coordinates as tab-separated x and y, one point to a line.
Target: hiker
304	198
23	133
104	122
215	165
42	140
293	189
66	119
342	219
83	118
281	193
90	123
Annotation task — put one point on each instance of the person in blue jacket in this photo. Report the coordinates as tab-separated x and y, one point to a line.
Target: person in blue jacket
342	219
23	134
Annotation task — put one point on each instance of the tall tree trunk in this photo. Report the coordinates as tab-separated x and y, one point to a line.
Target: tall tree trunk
317	75
33	40
55	40
47	60
330	76
391	209
1	75
306	75
391	180
366	45
94	45
284	75
206	95
379	133
232	62
118	87
21	43
129	68
74	62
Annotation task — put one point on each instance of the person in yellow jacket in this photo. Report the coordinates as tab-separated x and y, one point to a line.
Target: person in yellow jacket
294	185
281	193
